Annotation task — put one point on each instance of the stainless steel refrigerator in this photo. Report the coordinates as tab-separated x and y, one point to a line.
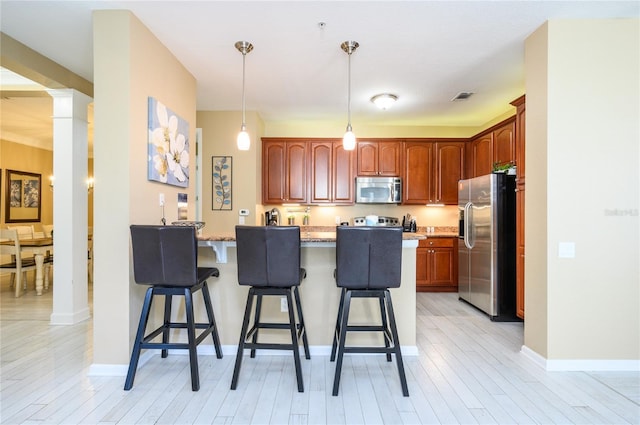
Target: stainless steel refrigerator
487	245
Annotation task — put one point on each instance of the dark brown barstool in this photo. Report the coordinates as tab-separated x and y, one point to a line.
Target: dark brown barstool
368	263
166	257
268	259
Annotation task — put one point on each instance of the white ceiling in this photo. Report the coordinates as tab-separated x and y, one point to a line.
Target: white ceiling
425	52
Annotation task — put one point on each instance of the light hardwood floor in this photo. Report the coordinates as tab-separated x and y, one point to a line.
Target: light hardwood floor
469	371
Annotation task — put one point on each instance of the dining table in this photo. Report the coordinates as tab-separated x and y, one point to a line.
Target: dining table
39	248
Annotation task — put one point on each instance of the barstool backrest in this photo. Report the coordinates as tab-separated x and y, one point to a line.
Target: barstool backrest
368	257
268	255
165	255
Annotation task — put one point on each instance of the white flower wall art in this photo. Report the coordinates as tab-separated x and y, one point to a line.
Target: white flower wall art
168	148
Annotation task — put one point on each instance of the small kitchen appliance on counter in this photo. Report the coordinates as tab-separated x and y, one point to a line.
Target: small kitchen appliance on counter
272	217
409	224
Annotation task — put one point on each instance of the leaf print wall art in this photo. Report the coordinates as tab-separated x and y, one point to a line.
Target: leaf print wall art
168	147
221	188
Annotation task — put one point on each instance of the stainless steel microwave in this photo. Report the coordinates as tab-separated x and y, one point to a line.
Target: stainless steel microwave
378	190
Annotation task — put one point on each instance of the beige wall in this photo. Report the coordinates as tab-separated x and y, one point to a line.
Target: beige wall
582	118
130	65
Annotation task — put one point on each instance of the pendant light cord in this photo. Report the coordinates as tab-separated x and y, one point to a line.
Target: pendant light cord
244	56
349	94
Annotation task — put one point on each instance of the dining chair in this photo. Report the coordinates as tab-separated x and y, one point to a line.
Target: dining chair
166	259
268	259
17	265
368	263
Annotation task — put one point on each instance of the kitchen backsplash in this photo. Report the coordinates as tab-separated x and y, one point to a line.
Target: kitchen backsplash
440	217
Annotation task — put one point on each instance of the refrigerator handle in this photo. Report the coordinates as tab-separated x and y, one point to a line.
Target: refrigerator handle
467	225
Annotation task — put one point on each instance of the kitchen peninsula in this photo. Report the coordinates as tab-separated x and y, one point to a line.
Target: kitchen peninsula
319	293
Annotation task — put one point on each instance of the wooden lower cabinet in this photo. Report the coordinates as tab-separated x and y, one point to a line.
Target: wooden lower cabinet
437	265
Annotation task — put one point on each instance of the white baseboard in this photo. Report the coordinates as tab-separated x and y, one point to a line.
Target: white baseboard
227	350
580	365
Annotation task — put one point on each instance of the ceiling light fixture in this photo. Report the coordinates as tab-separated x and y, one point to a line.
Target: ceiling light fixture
349	139
244	142
384	100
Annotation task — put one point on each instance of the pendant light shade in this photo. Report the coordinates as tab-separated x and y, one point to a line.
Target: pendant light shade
349	139
244	142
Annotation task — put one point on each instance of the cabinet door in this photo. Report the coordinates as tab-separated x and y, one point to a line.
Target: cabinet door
449	170
320	172
343	178
441	266
418	173
421	265
273	172
367	158
504	148
296	172
437	265
520	251
389	158
482	155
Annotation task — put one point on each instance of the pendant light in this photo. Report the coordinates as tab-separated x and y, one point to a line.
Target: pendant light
244	142
349	139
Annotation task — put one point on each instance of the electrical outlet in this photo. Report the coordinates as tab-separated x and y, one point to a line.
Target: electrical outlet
283	305
337	219
161	199
241	220
244	212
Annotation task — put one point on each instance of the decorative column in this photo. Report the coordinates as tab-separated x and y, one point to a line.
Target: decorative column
70	206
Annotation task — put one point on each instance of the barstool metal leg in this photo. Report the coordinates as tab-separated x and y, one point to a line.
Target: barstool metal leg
142	325
396	344
256	321
385	326
341	341
191	334
212	320
243	334
302	330
167	322
337	330
294	341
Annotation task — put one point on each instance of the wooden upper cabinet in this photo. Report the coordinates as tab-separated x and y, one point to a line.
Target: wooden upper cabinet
495	145
449	169
519	137
331	173
343	173
320	167
504	148
284	171
417	182
379	158
432	171
482	155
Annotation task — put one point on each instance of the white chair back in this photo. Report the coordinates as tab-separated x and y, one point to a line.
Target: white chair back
24	232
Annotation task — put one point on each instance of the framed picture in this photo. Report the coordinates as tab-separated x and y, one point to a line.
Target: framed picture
221	196
168	146
22	197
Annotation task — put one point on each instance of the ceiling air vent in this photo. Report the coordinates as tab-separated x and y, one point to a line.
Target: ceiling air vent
463	95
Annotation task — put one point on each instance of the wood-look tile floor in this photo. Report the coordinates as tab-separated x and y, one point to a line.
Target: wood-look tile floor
469	371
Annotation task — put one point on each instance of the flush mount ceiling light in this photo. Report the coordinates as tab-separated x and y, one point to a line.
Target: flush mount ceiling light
384	100
349	139
244	142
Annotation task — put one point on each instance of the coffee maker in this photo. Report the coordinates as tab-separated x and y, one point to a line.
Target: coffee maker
272	217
